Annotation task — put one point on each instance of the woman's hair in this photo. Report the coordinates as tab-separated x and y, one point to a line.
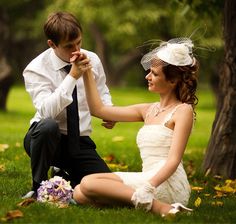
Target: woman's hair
186	79
62	26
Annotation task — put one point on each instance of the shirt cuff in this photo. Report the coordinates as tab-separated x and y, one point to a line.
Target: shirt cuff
68	84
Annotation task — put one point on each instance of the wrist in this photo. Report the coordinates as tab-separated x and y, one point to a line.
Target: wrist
74	73
152	183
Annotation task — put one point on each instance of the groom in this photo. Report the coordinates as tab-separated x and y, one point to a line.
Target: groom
60	129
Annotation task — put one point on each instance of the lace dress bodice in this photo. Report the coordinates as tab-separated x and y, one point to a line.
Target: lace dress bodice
154	142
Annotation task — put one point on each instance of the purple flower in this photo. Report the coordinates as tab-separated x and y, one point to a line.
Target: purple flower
55	190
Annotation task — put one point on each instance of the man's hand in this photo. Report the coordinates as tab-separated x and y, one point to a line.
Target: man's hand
108	124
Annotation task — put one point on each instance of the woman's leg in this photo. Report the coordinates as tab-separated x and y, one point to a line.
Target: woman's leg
102	188
109	189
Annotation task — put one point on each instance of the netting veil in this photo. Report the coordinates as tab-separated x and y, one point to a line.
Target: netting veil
177	51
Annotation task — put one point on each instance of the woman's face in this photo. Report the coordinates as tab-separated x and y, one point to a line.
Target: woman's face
157	81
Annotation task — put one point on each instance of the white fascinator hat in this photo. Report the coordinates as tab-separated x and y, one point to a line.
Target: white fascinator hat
177	51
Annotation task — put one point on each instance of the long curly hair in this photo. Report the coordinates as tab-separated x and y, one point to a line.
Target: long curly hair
187	80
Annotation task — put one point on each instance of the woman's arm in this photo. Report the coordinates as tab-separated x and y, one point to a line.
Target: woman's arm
98	109
183	119
96	106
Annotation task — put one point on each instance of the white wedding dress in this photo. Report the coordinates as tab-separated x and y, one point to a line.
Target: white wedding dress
154	142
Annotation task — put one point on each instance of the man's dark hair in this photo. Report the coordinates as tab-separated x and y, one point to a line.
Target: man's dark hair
62	26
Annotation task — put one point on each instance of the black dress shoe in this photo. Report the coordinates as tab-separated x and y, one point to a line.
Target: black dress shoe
55	171
59	172
30	194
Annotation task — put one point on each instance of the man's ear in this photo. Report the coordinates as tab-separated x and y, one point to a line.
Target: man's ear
51	44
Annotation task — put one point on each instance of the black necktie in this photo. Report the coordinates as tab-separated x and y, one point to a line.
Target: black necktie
73	132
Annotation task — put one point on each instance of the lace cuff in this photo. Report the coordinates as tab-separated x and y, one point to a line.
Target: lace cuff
143	197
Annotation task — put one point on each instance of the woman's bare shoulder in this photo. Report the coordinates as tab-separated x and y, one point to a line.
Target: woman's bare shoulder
184	110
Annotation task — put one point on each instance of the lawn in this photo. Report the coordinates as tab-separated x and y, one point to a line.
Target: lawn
118	147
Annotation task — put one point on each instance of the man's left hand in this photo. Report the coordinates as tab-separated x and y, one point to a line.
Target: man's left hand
108	124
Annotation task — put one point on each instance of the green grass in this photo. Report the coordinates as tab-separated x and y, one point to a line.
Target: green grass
15	178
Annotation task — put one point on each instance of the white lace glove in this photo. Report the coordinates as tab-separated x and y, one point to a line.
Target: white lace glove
143	197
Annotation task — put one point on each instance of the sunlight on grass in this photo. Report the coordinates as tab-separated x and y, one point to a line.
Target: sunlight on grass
19	101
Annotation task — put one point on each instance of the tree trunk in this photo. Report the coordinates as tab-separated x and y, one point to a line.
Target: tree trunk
124	64
6	80
220	158
101	47
116	72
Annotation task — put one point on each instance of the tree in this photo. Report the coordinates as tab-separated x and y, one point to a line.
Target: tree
115	29
220	157
15	21
6	78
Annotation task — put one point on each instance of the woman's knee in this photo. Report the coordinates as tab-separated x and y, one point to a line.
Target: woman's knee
79	197
77	193
87	185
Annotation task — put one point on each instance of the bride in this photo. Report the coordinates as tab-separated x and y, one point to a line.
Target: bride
162	186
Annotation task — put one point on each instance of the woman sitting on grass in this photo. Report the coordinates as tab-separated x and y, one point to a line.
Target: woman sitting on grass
162	186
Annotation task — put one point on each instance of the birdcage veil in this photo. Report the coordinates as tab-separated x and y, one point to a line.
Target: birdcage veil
177	51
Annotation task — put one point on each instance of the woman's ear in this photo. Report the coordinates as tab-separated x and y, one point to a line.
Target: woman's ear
173	82
51	44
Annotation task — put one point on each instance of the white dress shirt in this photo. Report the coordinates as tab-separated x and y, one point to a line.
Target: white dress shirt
51	89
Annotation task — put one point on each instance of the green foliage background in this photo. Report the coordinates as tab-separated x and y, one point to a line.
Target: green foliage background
123	25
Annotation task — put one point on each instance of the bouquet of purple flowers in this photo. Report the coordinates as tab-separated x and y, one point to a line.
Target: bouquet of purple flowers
55	191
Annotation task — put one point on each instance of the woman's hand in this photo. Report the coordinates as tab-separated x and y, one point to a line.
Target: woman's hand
143	197
80	64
